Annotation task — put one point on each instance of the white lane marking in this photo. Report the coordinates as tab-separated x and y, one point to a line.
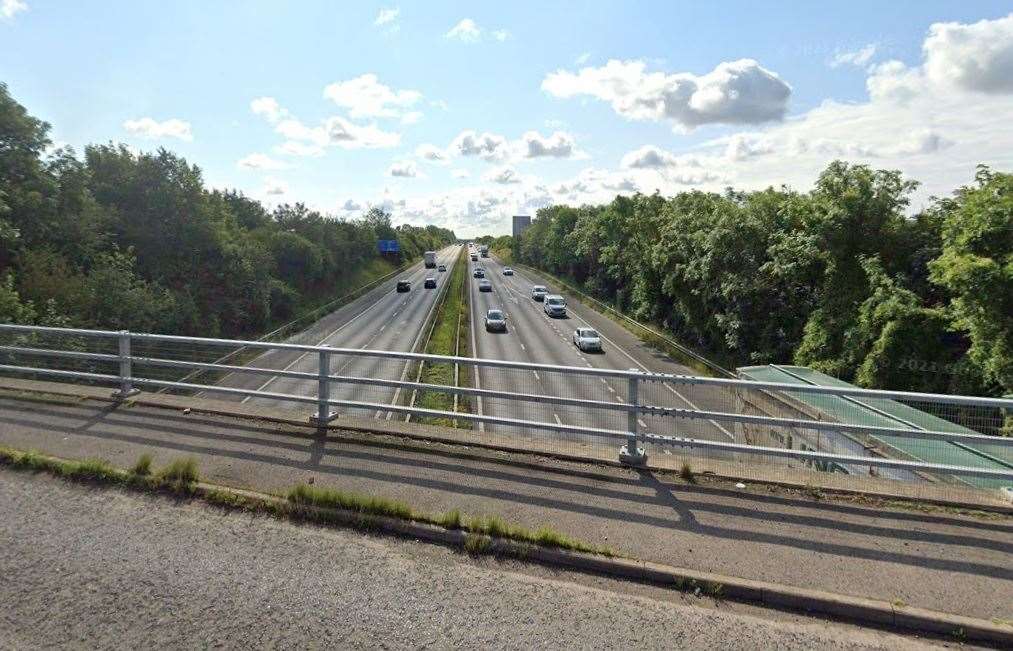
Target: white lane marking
632	359
523	348
301	357
641	423
558	422
536	376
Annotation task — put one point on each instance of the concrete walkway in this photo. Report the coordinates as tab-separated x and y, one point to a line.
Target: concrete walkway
940	560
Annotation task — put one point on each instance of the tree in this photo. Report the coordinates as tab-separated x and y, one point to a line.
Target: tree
976	266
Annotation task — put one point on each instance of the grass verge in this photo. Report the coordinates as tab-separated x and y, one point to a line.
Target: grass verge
448	331
303	502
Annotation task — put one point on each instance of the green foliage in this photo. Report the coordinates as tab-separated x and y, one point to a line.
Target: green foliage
143	466
180	475
976	266
838	278
117	239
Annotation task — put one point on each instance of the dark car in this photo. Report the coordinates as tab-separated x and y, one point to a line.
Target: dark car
495	321
442	267
479	273
430	283
484	286
404	286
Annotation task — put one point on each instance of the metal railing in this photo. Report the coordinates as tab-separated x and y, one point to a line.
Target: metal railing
636	417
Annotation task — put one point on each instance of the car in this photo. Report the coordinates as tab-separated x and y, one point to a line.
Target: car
507	271
587	339
538	292
474	257
484	286
442	267
555	305
478	273
404	286
495	320
430	283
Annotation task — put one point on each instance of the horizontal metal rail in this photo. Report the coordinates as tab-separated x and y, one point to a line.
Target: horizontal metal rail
70	354
846	459
909	396
660	439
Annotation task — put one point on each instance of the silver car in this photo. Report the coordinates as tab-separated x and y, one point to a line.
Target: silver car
555	305
538	292
587	339
484	286
495	321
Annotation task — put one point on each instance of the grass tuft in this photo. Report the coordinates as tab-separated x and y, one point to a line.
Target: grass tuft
477	543
143	466
686	472
306	495
180	475
450	520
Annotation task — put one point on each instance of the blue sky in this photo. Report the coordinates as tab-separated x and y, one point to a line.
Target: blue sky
344	105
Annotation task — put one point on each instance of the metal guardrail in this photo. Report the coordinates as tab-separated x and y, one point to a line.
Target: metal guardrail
634	436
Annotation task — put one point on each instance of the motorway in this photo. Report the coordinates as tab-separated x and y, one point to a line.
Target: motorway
534	337
381	319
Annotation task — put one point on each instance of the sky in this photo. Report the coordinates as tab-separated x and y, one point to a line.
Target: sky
463	114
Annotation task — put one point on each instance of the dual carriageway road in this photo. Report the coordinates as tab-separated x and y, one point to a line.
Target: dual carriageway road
384	319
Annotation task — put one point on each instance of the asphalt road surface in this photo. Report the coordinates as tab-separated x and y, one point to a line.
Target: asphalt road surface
87	568
382	319
532	336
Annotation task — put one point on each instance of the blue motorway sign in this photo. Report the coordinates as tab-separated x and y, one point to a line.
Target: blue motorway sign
389	246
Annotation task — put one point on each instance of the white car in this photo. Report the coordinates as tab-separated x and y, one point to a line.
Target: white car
495	320
538	292
587	339
507	271
555	305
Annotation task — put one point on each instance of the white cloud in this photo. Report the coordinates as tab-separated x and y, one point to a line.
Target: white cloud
10	8
500	35
858	57
387	16
404	169
466	31
559	145
735	92
275	187
257	161
431	153
651	157
489	146
583	58
268	108
503	176
976	57
460	174
411	117
742	147
335	131
365	96
151	129
351	205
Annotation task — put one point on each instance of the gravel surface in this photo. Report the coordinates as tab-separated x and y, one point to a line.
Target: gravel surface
96	568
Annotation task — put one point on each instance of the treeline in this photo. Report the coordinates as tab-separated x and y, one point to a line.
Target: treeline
122	240
838	278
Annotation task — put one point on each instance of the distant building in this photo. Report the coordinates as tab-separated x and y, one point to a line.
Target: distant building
521	223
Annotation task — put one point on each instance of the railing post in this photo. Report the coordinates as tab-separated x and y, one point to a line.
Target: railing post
324	414
127	388
632	454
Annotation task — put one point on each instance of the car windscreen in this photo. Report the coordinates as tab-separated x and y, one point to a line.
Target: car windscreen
538	288
555	301
588	333
495	315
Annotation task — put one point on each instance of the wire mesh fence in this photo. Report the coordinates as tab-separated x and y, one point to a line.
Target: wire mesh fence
932	445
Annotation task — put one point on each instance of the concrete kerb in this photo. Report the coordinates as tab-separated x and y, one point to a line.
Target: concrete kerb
841	607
